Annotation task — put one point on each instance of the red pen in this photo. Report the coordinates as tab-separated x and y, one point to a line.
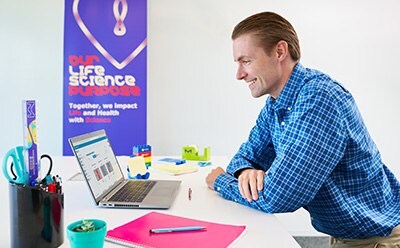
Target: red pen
51	187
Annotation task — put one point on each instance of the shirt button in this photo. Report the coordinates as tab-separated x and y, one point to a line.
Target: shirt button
282	123
218	188
288	108
235	200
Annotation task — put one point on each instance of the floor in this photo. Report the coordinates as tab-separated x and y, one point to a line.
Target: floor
313	242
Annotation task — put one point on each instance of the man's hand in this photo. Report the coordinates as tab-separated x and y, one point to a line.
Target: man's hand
250	182
210	179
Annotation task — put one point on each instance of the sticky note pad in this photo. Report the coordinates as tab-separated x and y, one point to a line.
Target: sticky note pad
136	165
175	169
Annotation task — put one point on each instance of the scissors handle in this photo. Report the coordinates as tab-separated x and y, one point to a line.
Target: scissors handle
21	175
50	164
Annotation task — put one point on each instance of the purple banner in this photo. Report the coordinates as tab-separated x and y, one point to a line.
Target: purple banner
105	55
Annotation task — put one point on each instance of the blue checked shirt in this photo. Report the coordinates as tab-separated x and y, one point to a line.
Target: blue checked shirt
317	154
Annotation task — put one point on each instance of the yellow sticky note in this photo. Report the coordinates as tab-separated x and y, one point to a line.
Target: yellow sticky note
137	166
175	169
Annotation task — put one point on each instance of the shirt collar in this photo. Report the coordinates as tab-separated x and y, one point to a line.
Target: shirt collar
291	89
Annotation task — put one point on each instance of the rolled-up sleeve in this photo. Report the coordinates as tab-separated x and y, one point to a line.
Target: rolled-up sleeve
311	145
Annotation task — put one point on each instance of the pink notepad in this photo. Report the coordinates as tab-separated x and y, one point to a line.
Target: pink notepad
136	233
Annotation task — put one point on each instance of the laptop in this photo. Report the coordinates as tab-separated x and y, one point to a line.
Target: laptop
106	181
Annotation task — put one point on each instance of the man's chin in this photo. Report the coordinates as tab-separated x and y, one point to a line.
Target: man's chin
255	94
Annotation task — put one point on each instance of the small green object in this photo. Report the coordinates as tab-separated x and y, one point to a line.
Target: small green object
191	153
85	226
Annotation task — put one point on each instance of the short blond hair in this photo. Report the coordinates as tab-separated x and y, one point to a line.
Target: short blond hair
270	28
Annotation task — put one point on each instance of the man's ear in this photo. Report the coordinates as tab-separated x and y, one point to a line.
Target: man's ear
282	50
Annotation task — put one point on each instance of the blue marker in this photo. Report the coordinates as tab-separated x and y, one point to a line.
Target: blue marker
178	229
175	161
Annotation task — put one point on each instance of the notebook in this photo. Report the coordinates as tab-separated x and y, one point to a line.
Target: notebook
136	233
106	181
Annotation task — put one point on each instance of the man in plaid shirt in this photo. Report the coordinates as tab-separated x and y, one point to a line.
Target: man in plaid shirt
309	147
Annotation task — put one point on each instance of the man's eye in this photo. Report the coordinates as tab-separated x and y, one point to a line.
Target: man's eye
246	62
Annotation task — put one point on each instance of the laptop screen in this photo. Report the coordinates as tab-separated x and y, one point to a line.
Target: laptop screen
98	162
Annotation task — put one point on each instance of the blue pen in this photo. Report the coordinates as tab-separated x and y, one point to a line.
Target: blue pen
175	161
178	229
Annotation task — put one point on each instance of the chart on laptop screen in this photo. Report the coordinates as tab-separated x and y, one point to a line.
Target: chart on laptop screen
98	163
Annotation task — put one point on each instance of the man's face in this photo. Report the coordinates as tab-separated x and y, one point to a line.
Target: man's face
262	72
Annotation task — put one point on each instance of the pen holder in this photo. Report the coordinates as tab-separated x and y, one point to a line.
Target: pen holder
36	216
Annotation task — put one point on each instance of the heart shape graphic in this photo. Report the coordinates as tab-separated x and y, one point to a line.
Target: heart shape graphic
100	48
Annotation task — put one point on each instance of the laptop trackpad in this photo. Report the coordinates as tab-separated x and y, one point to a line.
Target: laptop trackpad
162	192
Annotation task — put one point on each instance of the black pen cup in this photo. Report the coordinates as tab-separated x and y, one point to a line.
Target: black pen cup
36	217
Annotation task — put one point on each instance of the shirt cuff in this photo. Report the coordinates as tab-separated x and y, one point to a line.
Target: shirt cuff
226	185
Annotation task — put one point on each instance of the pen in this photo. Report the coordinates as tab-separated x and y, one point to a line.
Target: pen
190	194
177	229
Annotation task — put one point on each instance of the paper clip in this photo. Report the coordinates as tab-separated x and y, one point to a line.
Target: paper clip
204	163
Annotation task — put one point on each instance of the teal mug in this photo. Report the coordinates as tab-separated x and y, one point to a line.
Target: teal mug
93	239
18	168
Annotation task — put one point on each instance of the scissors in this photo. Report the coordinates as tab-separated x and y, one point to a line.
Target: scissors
18	169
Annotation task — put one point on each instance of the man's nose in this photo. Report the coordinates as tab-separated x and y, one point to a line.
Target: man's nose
240	74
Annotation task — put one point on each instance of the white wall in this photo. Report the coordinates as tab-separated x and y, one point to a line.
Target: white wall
193	96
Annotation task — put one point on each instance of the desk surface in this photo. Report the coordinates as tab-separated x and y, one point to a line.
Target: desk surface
262	229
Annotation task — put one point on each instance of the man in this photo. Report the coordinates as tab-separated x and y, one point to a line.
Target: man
309	147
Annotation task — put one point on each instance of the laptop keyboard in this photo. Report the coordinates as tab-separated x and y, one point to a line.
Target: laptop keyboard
133	191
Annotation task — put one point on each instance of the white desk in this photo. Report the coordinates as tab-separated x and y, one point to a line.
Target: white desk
262	230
